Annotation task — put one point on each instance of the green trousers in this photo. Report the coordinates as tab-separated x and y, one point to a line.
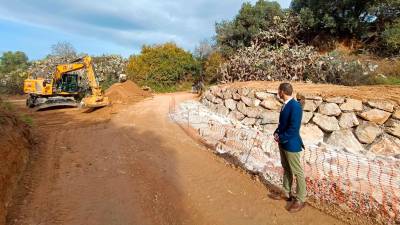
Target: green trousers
292	168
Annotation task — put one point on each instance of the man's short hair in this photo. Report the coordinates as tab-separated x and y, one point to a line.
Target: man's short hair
286	88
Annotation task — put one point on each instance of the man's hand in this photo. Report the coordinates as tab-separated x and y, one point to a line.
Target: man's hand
276	137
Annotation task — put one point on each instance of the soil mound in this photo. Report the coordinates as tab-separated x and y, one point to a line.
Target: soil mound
127	92
15	142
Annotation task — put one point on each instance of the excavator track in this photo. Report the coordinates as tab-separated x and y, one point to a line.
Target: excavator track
53	102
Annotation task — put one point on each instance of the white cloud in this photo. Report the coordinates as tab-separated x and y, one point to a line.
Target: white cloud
126	23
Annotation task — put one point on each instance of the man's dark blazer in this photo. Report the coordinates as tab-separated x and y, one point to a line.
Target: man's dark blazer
289	127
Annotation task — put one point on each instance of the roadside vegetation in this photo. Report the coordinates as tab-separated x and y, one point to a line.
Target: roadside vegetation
7	108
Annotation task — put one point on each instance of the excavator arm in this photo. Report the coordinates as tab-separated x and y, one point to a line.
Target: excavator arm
96	99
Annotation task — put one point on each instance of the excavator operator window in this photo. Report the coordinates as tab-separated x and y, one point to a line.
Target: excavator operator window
69	83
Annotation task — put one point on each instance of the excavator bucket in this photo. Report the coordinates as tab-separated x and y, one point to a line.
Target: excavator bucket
95	102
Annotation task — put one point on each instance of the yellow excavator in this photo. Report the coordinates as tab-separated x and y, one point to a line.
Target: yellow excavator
65	88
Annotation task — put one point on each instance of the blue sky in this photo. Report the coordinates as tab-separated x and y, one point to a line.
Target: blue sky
109	27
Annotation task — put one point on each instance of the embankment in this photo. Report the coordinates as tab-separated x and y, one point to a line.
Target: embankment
15	144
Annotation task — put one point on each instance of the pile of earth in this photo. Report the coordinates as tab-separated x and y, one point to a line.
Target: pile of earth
125	93
15	142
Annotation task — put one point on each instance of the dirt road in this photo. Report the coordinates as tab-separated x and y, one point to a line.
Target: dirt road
134	166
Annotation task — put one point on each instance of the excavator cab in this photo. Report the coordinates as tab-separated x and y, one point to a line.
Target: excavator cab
69	83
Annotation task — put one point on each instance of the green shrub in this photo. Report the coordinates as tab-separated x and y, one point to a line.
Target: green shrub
162	66
13	66
391	36
211	67
13	82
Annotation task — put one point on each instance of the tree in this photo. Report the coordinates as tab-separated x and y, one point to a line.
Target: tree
203	50
13	67
212	65
11	61
63	49
161	66
353	18
391	36
232	35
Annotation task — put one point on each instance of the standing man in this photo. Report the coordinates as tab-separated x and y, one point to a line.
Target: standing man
290	145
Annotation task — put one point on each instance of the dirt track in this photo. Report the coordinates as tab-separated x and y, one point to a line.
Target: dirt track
131	165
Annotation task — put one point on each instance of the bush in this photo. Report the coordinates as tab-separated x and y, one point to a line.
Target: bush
211	67
13	82
162	66
391	37
13	66
11	61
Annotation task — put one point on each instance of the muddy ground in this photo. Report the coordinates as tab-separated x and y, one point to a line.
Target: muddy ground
129	164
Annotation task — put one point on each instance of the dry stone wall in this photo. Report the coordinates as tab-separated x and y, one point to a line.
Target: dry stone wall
352	155
371	127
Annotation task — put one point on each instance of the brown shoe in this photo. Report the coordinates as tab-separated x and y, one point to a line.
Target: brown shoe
297	206
279	196
290	202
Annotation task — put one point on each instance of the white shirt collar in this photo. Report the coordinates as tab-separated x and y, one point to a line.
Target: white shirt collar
288	100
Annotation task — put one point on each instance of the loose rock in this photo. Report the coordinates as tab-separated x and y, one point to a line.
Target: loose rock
263	95
348	120
330	109
236	96
244	91
227	94
248	121
209	97
326	123
318	102
381	104
352	105
345	139
247	101
393	127
309	106
235	115
396	114
311	134
241	107
222	110
253	112
306	117
386	145
230	104
367	132
309	96
376	115
218	101
215	90
270	128
270	117
271	103
337	100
